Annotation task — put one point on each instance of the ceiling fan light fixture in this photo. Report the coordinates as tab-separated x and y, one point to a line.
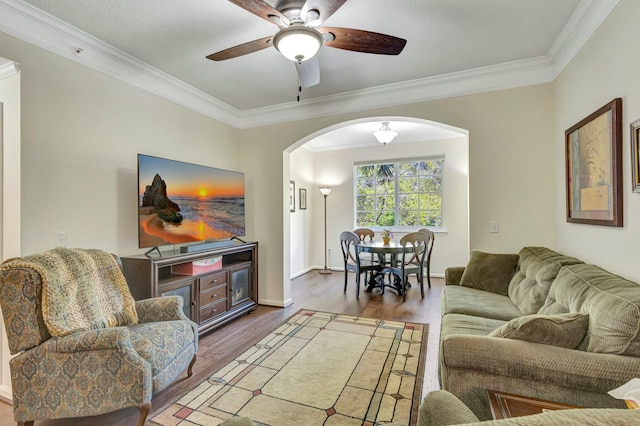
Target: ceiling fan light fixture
385	134
298	43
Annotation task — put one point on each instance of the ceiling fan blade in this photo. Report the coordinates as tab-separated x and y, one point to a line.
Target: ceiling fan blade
363	41
262	9
309	72
241	49
325	7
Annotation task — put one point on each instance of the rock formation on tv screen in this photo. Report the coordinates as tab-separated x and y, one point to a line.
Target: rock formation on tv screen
155	195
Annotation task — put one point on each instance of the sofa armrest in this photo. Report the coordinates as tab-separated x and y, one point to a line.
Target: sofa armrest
539	363
93	340
165	308
442	408
453	274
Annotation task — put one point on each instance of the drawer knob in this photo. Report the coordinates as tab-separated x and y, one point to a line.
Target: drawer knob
213	296
214	311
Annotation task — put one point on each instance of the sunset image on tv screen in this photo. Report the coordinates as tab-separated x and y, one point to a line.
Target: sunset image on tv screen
182	202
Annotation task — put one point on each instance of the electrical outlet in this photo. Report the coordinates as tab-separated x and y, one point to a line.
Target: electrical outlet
494	226
61	239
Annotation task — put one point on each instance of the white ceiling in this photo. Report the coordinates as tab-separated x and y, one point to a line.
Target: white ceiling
454	47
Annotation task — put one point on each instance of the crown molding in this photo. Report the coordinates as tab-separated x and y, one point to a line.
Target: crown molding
8	68
30	24
34	26
480	80
586	19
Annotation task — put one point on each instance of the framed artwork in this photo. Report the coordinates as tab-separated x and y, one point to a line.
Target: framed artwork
594	167
635	155
303	199
292	196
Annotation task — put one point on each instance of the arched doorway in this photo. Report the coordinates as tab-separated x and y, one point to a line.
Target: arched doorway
327	157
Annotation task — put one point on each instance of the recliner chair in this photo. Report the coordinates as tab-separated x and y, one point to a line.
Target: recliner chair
103	367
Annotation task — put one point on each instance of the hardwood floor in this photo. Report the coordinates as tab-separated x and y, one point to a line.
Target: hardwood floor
309	291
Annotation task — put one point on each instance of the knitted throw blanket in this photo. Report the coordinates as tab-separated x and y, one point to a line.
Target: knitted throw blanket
81	289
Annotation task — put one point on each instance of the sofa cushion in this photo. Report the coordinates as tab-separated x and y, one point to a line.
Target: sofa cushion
489	271
468	325
537	268
470	301
562	330
613	305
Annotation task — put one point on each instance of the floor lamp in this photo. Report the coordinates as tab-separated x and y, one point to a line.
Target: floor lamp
325	191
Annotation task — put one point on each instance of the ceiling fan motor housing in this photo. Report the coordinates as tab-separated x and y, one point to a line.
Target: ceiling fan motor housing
289	7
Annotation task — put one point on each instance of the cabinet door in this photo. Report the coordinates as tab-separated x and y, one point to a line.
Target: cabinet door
241	288
184	289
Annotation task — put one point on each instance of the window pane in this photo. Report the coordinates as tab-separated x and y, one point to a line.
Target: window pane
409	184
412	198
430	218
430	185
409	218
431	202
365	202
386	218
365	219
408	169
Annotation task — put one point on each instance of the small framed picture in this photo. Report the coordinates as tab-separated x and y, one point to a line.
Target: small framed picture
635	155
303	199
292	196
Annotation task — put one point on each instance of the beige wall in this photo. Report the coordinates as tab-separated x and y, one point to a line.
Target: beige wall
81	131
303	223
512	177
605	68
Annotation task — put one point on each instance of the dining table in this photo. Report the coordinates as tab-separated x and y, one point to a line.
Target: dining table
393	248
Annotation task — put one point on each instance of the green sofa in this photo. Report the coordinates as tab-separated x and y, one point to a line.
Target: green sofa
538	324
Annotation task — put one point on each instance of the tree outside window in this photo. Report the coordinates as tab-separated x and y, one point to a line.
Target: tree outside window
405	193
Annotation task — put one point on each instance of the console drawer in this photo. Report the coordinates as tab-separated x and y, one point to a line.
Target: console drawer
210	281
213	295
213	310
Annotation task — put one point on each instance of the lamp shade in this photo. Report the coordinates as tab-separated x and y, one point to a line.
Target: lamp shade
385	134
298	43
325	190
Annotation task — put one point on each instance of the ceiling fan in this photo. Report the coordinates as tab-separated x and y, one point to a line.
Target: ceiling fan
301	36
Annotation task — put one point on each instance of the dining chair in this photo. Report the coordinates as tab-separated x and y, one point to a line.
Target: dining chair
411	261
430	243
366	235
352	261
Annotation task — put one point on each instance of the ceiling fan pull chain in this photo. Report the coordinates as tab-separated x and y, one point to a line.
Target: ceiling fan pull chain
299	90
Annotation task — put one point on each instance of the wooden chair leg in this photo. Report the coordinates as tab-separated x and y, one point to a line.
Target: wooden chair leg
405	279
144	412
190	368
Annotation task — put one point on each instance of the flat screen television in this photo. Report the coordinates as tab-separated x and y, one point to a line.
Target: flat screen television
181	202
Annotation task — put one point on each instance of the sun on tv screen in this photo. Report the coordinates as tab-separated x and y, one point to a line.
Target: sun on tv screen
182	202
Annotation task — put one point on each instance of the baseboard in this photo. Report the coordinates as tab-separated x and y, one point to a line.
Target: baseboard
5	394
276	303
304	271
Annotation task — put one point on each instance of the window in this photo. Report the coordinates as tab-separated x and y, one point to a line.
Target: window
404	193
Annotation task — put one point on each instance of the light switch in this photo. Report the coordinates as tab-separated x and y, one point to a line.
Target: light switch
61	239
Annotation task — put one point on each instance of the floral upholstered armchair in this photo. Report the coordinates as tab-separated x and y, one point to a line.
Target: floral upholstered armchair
84	346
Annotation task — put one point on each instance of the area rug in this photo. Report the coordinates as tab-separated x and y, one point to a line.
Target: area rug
317	368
